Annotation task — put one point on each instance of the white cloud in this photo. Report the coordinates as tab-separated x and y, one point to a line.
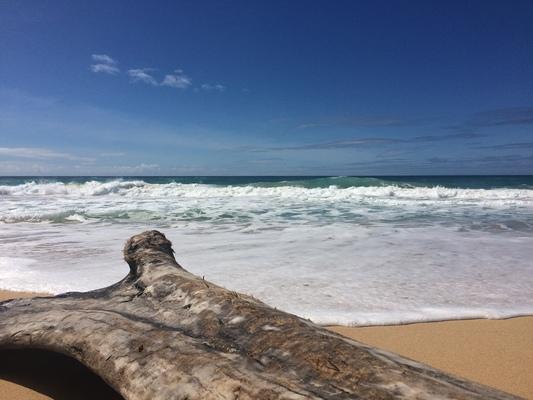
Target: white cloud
113	154
21	168
177	80
142	75
39	153
105	68
139	169
146	167
104	63
210	87
103	58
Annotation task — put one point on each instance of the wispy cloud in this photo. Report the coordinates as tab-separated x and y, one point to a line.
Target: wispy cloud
450	165
103	58
177	80
142	75
508	146
212	87
496	118
504	116
40	120
440	138
340	144
379	163
105	64
360	121
378	141
107	69
49	167
508	163
39	154
472	124
507	158
139	169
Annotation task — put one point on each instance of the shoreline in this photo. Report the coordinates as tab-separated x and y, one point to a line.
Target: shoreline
429	321
496	353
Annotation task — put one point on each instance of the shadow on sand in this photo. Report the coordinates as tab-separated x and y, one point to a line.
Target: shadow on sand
53	374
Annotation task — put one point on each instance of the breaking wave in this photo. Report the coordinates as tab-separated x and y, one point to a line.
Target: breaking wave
342	250
293	189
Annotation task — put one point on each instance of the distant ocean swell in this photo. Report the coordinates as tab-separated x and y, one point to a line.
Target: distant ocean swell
349	250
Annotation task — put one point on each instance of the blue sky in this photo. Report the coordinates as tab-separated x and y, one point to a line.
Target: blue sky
266	87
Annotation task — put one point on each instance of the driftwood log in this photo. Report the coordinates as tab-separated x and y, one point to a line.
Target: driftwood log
164	333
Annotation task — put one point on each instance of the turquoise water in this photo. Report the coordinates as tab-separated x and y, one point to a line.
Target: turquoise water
462	182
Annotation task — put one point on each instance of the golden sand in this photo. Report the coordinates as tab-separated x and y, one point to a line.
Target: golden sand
6	295
497	353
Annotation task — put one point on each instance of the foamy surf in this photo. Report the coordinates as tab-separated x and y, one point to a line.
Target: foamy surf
376	252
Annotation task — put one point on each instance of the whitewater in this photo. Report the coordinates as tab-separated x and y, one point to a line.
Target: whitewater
336	250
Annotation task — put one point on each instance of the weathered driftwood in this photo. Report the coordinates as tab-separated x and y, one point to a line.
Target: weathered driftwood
163	333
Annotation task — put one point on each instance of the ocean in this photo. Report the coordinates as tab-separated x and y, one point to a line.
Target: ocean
336	250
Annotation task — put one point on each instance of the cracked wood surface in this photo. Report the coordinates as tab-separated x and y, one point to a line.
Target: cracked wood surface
164	333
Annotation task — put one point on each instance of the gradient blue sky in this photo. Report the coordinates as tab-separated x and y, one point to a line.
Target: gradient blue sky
266	87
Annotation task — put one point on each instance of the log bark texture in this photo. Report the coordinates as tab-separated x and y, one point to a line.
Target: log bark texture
164	333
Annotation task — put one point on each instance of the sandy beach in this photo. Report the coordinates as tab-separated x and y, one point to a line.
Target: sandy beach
497	353
6	295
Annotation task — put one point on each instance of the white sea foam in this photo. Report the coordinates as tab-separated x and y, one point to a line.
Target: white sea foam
355	255
141	189
330	274
140	201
